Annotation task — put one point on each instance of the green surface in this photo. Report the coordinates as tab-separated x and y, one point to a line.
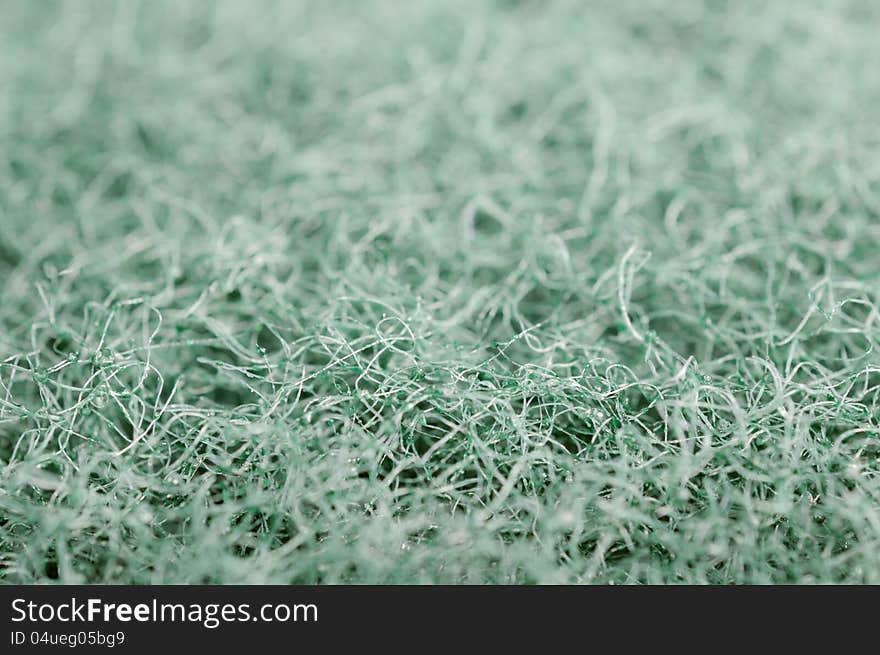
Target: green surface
439	292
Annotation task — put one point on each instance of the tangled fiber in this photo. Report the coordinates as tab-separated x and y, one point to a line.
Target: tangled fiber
439	292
